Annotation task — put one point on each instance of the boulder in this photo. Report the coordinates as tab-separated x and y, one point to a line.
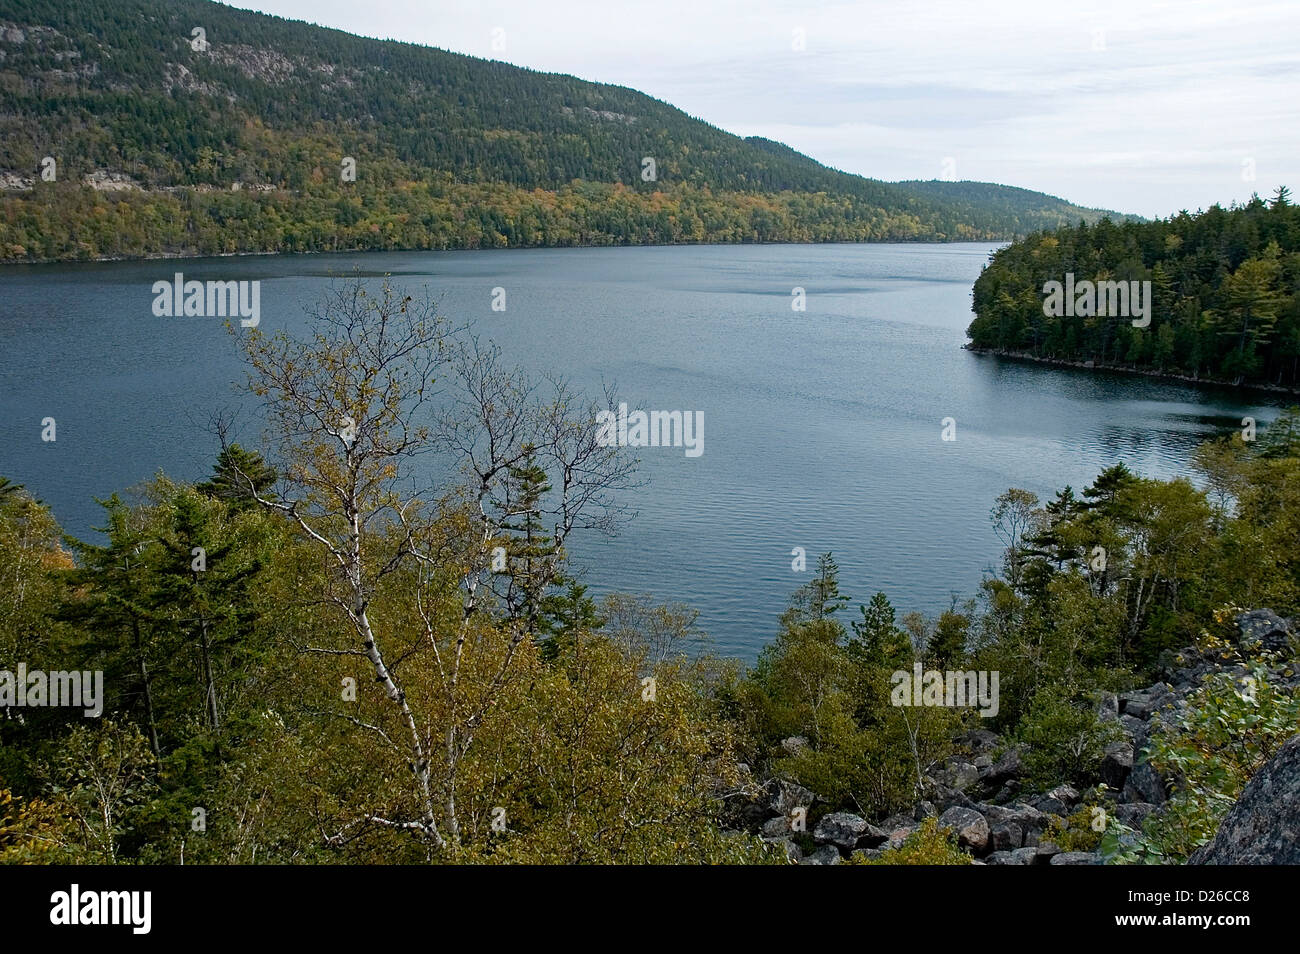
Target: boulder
1045	852
787	796
795	744
1066	794
825	855
924	810
840	829
946	798
1052	806
981	741
872	837
1007	767
1107	706
1006	837
1117	764
1075	858
900	820
778	827
1144	785
1263	828
971	828
962	775
1024	856
1020	814
900	835
1133	814
863	854
1135	729
1263	629
1136	704
1007	792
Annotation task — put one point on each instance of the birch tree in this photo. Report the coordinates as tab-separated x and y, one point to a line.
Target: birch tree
362	424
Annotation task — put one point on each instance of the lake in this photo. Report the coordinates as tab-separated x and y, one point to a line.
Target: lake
822	428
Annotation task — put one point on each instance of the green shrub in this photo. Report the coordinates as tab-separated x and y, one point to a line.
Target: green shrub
1065	741
928	845
1233	727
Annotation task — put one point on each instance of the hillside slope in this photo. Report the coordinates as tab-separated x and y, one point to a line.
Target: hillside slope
164	142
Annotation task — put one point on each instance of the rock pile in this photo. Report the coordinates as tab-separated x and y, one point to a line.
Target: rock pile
978	794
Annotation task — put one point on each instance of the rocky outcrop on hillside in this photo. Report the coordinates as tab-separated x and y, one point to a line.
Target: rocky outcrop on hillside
1263	828
982	797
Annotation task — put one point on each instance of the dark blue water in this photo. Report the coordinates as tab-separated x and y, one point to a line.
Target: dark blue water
821	428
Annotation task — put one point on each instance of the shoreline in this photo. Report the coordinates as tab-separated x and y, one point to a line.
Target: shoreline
178	256
1025	357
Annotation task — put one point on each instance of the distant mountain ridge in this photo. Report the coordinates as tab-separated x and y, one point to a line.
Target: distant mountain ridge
191	127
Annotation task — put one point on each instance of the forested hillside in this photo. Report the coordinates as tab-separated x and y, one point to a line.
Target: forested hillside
1225	286
233	140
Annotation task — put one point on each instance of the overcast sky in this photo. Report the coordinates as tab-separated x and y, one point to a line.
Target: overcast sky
1140	106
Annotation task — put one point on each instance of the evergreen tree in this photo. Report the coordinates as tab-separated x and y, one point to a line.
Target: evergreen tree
235	469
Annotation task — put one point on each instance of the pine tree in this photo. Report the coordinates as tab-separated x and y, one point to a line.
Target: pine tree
235	469
877	640
565	615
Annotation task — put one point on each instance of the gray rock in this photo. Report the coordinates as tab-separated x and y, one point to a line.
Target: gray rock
1006	837
1135	729
963	775
1133	814
1045	852
1263	629
1052	806
787	796
1136	704
825	855
1007	792
924	810
1263	828
900	835
778	827
1007	767
1026	816
1075	858
894	822
1117	764
1107	706
1024	856
872	837
971	827
795	744
867	853
981	741
1066	794
946	798
1001	858
982	763
1144	785
840	829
